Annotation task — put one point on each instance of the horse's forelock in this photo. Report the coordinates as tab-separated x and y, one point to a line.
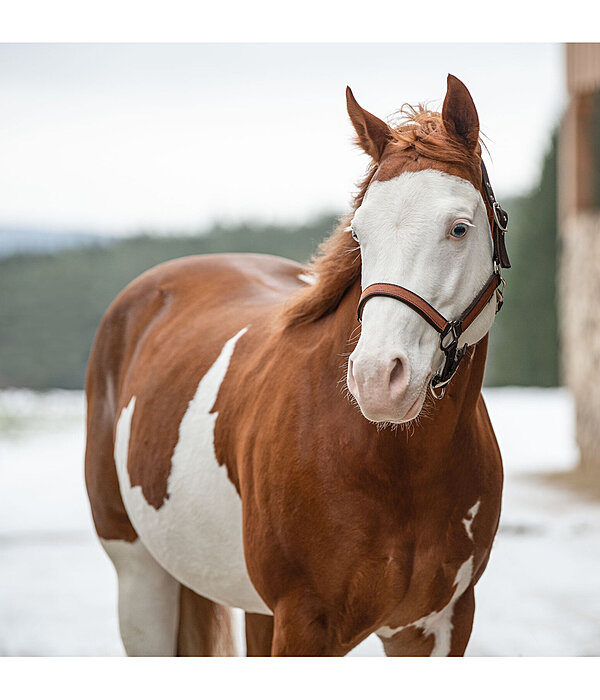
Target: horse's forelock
420	135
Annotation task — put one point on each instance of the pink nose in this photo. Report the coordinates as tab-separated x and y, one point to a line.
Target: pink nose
378	386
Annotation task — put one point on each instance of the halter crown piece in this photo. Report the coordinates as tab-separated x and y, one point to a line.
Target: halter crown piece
451	331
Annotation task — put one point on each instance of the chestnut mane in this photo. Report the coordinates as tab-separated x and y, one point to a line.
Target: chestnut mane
420	138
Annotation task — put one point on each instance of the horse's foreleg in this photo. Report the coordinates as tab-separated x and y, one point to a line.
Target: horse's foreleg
411	641
462	622
259	634
446	635
302	628
148	600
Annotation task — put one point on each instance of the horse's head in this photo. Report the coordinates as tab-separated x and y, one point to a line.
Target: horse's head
422	225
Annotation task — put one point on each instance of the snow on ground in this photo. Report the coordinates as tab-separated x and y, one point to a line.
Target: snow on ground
539	595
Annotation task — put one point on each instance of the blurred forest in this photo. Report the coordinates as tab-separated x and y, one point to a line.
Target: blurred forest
524	339
51	304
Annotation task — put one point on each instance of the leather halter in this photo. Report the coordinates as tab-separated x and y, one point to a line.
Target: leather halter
451	331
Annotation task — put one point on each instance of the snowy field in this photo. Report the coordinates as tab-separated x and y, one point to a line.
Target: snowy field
538	597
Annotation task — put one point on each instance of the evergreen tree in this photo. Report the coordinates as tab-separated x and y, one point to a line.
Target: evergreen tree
524	338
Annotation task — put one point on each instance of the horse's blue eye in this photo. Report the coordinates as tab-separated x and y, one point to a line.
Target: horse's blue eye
459	231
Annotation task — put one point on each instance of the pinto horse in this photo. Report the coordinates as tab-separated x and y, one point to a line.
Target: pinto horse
244	450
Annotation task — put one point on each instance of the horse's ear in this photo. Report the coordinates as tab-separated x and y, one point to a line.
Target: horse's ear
372	133
459	113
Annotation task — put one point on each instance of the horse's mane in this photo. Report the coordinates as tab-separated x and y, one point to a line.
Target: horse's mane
419	134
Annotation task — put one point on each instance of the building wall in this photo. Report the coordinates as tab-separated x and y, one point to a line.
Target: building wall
583	67
579	313
579	231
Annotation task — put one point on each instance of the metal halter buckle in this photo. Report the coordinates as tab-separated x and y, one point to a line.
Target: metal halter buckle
453	331
452	357
500	293
497	208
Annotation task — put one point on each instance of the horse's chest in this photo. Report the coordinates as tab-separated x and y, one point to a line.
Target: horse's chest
196	534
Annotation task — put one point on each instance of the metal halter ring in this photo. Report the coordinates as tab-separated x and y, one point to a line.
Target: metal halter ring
441	389
436	385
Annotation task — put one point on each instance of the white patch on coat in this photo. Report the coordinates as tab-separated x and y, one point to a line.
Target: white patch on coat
468	521
196	535
307	278
148	600
439	623
402	226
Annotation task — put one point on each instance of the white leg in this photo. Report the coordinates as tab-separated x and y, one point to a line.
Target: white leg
148	600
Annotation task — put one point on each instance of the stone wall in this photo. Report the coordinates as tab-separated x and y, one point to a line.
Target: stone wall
579	314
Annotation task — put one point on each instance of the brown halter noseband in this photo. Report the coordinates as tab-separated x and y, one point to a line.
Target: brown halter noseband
450	331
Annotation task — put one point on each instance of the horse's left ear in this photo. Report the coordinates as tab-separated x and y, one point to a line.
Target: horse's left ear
372	134
459	113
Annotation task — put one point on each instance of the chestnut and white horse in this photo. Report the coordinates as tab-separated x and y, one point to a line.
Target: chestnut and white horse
226	466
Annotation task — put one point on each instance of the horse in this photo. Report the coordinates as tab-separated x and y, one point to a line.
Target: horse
251	445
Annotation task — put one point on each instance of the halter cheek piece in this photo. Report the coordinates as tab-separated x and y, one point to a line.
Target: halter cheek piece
450	331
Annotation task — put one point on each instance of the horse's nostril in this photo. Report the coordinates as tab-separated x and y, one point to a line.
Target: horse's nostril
398	377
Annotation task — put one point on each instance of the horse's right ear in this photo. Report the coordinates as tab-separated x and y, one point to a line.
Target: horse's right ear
372	134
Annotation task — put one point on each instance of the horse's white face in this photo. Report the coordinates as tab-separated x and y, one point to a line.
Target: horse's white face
426	231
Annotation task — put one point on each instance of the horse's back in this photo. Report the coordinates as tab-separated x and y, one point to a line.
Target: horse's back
197	285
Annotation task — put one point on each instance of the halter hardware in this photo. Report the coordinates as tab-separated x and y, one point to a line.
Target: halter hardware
451	331
498	218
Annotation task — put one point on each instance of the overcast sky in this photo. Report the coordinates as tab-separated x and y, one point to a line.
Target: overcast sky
114	138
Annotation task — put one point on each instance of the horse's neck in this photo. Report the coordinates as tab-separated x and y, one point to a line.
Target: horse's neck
462	394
